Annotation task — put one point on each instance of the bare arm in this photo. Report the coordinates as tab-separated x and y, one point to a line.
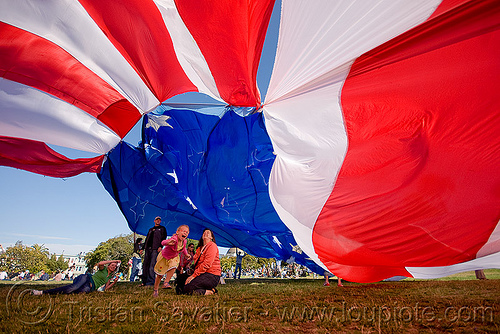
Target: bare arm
101	264
111	283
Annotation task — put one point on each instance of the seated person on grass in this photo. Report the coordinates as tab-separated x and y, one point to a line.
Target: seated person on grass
207	269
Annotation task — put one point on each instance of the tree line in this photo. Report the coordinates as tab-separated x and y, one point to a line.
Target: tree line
121	248
36	257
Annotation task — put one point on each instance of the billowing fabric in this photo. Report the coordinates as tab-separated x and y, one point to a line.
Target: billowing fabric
203	170
374	154
394	167
80	74
24	154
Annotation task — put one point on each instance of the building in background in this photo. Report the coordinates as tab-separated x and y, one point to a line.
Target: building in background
78	261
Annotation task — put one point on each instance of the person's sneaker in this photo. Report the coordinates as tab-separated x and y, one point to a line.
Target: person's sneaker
326	284
36	292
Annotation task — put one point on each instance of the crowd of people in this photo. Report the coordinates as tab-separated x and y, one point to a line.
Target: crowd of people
197	271
42	275
273	270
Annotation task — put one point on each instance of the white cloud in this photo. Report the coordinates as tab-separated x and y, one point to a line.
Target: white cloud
37	236
68	249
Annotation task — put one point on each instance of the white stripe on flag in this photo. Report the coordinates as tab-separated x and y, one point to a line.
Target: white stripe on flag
67	24
32	114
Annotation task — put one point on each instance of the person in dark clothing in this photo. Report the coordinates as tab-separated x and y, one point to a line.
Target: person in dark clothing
152	246
44	277
136	258
239	259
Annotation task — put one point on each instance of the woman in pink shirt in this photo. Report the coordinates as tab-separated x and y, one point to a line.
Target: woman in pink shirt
207	268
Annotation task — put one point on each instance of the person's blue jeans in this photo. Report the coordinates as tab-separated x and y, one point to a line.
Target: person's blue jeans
82	283
135	268
237	271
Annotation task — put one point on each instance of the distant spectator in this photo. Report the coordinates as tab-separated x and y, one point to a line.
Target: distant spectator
239	259
27	275
3	275
58	276
70	272
44	276
136	259
129	264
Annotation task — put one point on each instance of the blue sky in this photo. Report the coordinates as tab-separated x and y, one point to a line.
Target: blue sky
75	214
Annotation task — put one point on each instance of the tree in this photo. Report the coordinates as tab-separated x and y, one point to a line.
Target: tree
226	262
41	249
117	248
249	262
55	264
263	262
21	257
36	258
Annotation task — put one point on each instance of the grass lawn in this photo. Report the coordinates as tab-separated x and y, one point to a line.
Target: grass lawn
457	303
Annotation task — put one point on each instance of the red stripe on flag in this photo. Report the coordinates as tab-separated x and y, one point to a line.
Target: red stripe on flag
419	185
36	62
137	30
122	115
231	37
36	157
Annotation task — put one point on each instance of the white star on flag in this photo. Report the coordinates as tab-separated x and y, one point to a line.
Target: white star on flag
156	122
296	249
276	241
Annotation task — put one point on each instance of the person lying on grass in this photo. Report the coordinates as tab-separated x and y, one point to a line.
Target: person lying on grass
84	283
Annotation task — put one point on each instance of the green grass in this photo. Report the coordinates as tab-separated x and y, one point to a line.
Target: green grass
470	275
458	303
